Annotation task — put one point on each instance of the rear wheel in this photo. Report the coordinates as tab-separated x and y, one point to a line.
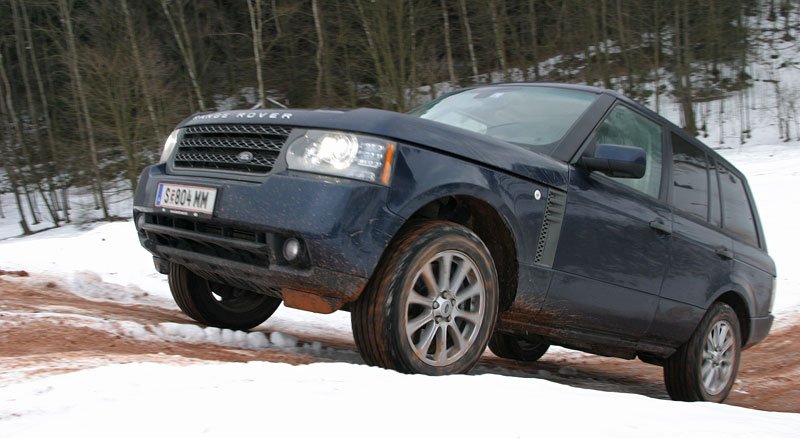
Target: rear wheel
431	304
704	369
513	347
217	304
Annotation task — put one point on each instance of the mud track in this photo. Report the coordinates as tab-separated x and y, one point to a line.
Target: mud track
41	333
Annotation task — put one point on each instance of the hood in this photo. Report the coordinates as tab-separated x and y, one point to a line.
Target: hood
482	149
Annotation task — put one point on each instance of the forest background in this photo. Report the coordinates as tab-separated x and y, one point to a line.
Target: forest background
89	89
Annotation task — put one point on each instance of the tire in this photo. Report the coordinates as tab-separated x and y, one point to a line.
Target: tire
413	317
508	346
216	304
705	367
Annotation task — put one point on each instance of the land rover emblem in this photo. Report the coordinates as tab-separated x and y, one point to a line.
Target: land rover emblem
245	157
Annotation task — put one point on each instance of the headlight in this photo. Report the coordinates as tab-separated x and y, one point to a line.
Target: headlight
169	145
342	154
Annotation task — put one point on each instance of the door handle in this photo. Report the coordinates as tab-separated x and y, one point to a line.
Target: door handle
725	253
661	226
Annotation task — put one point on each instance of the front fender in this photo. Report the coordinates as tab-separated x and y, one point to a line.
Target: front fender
422	176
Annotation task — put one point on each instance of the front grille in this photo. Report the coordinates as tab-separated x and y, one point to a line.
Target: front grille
240	148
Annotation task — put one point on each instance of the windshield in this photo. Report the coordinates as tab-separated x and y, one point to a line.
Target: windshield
533	117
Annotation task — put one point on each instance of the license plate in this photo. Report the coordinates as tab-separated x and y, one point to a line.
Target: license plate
192	199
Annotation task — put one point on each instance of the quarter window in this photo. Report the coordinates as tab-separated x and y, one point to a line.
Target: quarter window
737	214
625	127
690	178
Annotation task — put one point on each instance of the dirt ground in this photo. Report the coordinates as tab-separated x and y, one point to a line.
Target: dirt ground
38	335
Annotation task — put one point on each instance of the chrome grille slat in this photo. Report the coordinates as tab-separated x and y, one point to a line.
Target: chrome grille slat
210	157
220	147
243	143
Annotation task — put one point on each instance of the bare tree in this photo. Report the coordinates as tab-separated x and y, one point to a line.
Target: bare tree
184	42
256	27
11	169
140	72
320	59
470	43
80	98
498	29
55	154
34	116
447	45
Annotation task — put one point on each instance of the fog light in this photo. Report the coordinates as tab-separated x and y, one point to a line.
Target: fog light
291	249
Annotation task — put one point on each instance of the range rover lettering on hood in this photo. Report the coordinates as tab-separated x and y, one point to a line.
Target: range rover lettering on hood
244	115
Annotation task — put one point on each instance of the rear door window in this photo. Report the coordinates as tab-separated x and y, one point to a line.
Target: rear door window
689	178
737	214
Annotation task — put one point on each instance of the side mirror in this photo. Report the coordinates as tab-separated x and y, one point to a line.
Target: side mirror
616	160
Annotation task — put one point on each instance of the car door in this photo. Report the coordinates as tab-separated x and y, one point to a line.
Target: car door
701	256
614	243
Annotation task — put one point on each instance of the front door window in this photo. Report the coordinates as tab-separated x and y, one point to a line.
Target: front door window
625	127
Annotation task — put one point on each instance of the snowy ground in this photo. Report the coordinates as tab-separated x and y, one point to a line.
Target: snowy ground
348	400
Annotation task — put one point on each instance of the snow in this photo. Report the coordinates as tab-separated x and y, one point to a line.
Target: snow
274	399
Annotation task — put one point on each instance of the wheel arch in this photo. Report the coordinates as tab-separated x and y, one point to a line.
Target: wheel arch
735	297
490	225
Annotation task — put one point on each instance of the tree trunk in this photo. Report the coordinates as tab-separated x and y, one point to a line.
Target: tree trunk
256	26
535	40
33	113
278	26
319	59
604	33
5	155
55	155
624	48
183	40
448	47
373	51
470	44
412	84
72	59
352	95
687	101
23	223
499	38
657	50
17	129
140	73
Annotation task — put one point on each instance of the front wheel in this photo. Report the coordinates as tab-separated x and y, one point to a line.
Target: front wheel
705	367
217	304
432	303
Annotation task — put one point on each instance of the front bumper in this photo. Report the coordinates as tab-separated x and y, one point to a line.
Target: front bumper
343	226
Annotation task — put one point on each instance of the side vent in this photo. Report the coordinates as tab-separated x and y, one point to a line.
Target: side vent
551	227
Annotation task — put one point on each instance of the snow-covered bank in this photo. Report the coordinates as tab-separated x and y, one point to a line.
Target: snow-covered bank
348	400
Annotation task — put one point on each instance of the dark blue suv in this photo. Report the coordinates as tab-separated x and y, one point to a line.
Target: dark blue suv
514	216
